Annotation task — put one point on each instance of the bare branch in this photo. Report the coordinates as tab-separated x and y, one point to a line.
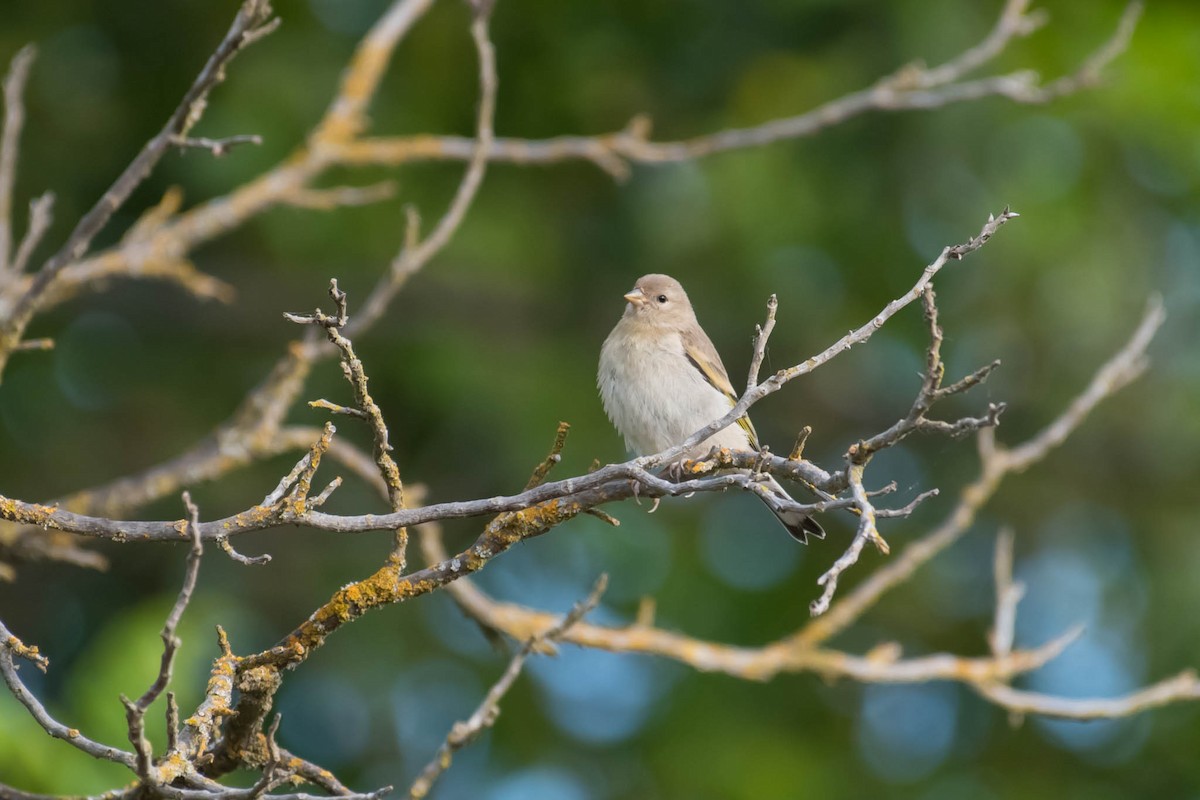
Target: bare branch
10	645
466	731
1121	370
326	493
135	711
154	217
41	215
34	344
866	532
339	196
217	147
577	494
761	335
931	392
415	255
170	640
368	410
334	408
10	136
253	14
145	263
1015	22
997	463
539	474
172	723
228	549
907	510
1183	687
201	730
317	776
1008	595
346	116
911	87
30	653
748	663
1090	73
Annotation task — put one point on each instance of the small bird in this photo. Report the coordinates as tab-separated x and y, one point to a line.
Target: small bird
661	380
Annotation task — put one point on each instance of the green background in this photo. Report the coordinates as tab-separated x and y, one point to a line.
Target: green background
497	339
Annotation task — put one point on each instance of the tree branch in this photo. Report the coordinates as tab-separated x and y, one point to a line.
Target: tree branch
251	22
912	87
10	645
468	730
997	463
10	137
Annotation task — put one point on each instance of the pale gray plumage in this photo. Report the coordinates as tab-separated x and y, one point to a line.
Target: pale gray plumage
661	380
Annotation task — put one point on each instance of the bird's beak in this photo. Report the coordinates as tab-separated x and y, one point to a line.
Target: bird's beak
636	296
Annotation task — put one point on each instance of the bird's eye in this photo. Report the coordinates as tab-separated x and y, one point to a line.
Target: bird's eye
662	298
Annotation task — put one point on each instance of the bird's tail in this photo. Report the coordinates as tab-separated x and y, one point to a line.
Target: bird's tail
800	526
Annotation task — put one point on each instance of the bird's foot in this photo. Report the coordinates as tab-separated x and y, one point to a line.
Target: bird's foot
674	471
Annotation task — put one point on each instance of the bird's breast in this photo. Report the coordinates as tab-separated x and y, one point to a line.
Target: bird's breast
655	397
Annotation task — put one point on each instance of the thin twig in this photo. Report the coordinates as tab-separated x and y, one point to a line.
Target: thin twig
543	469
801	440
10	645
1008	595
252	16
369	411
228	549
135	711
334	408
464	732
170	640
1183	687
911	87
1122	368
1090	73
41	215
10	136
341	196
415	255
217	147
34	344
1015	22
761	335
866	532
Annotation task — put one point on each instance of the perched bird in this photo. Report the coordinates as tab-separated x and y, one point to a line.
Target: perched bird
661	380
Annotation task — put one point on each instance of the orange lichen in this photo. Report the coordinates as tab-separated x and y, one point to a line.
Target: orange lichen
513	526
253	518
172	767
27	513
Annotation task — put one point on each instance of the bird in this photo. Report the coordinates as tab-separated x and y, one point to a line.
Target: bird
661	380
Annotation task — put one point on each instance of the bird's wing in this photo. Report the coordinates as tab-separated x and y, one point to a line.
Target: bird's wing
700	352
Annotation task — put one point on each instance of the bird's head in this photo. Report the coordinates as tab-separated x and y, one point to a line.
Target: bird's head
659	300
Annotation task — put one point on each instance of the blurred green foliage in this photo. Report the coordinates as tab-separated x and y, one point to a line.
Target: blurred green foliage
497	340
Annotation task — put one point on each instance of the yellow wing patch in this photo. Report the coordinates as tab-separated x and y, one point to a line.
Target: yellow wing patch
715	375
